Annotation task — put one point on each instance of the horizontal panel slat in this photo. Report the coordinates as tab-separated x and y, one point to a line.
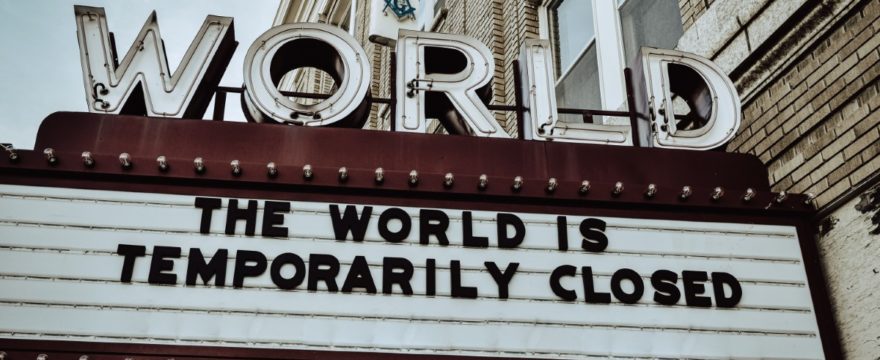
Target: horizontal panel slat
371	335
442	309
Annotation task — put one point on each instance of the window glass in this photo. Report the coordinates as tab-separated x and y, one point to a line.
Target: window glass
580	87
655	23
577	65
573	22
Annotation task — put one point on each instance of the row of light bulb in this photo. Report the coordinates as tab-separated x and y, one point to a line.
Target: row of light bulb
413	179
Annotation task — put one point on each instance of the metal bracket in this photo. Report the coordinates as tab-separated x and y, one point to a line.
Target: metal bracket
413	86
313	114
13	156
543	125
103	91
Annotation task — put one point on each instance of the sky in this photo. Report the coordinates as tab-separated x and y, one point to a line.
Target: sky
40	71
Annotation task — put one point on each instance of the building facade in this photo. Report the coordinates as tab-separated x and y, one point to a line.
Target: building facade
331	242
807	73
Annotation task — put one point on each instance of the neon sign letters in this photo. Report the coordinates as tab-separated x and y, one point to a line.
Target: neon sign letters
438	76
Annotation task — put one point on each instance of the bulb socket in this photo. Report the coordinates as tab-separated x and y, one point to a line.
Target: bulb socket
125	161
235	166
517	184
13	158
379	176
413	179
717	193
343	174
162	163
448	180
748	195
199	165
617	189
810	199
87	159
686	192
552	184
49	153
780	197
651	191
584	188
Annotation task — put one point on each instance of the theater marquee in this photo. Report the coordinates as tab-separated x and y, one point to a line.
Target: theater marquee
131	234
462	258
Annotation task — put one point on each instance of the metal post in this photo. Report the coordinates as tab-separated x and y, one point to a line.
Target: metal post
393	91
219	104
631	106
518	101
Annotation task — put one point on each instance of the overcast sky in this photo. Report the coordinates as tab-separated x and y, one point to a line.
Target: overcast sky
40	71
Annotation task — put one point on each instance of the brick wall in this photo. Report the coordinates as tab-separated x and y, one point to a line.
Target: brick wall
520	22
691	10
850	251
379	57
811	113
816	126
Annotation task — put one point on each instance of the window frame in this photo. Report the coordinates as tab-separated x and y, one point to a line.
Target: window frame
608	40
552	6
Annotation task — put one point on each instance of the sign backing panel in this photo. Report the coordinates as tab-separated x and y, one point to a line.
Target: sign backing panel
60	253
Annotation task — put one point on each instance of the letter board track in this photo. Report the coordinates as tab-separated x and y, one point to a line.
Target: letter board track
60	251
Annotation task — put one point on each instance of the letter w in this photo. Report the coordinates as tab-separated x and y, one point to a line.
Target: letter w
349	222
142	84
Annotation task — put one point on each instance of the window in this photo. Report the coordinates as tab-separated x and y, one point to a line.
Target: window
655	23
573	25
574	44
594	40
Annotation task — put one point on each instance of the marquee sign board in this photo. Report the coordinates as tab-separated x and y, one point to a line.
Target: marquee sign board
139	259
134	265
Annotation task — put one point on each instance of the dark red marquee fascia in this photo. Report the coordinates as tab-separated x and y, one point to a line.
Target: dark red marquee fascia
432	156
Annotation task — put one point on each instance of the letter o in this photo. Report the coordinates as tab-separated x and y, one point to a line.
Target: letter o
617	289
292	46
299	271
405	225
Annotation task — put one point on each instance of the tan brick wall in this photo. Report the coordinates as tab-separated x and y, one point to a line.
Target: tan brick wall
850	254
816	127
520	22
691	10
379	57
815	123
